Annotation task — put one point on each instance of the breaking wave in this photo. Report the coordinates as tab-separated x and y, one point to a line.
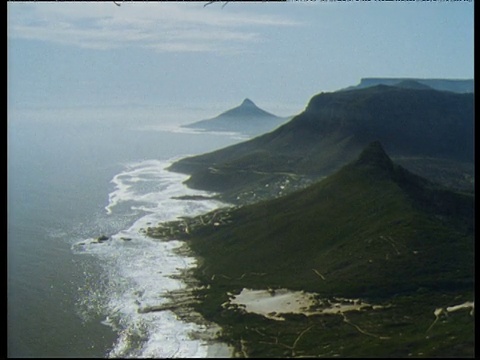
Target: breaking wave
137	270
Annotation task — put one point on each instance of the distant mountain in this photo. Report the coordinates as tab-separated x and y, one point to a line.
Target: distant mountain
429	131
371	231
412	84
453	85
247	118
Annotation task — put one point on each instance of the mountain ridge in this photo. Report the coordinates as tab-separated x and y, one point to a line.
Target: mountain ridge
428	129
361	209
372	232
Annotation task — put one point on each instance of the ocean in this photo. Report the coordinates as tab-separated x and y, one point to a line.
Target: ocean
72	177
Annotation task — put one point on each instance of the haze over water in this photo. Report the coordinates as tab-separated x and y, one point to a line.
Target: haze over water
70	182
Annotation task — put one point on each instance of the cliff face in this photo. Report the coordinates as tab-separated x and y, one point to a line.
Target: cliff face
369	229
429	131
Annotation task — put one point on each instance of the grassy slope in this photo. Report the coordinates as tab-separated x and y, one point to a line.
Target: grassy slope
374	231
350	223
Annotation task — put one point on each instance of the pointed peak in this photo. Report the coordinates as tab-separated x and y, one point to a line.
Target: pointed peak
375	155
247	102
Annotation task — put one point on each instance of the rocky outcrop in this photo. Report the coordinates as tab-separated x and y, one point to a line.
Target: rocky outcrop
102	238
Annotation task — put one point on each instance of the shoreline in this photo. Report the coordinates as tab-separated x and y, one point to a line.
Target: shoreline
181	302
175	230
152	278
377	321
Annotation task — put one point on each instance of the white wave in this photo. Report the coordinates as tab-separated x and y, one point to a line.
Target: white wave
139	269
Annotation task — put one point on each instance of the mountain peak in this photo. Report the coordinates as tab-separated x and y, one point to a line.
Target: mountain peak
375	155
248	102
246	118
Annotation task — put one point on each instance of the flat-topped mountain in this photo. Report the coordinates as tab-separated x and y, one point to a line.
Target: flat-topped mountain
427	131
453	85
247	118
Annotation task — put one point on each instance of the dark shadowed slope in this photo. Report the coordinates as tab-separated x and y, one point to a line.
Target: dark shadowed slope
430	131
373	229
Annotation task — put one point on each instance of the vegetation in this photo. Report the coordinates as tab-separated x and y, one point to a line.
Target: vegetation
372	230
428	129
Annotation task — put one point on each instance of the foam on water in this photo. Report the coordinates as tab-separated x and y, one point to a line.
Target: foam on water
138	269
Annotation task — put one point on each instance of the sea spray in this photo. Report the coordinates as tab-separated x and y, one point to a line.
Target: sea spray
140	272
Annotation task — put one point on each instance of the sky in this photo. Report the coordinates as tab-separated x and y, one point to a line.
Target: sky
171	55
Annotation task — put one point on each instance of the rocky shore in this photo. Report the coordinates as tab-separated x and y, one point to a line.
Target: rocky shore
180	229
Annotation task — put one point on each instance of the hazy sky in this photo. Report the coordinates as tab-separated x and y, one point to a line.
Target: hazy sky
184	54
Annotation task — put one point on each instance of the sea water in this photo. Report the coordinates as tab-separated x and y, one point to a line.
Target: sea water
70	180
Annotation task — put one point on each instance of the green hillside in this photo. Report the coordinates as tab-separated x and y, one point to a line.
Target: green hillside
373	231
358	227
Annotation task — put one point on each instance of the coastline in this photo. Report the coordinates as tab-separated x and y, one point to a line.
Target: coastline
181	304
153	310
379	320
181	301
